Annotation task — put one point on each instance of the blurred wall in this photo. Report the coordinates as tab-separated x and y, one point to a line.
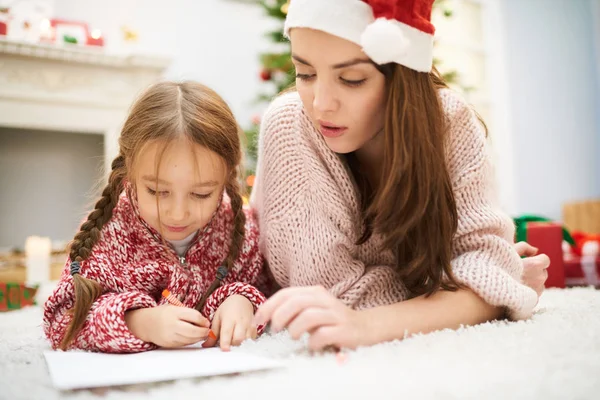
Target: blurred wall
216	42
553	78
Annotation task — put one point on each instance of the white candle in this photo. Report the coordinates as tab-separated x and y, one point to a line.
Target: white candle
37	259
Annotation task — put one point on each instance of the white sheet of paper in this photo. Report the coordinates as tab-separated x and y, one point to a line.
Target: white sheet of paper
79	370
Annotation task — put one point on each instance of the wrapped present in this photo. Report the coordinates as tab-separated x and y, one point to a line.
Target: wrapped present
14	296
569	265
582	263
583	270
586	243
548	238
522	223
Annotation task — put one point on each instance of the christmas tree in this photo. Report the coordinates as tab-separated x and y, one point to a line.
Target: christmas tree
278	71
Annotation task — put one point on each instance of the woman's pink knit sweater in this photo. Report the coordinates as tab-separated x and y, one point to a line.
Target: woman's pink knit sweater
309	215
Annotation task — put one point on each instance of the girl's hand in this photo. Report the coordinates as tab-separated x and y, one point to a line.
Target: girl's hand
315	311
535	267
232	323
168	326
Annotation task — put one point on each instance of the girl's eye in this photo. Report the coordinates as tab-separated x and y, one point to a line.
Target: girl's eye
353	83
304	77
201	196
155	193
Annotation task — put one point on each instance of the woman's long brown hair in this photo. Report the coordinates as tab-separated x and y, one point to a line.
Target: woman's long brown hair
413	205
165	112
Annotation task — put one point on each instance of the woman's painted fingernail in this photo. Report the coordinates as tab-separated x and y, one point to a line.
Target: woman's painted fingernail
212	335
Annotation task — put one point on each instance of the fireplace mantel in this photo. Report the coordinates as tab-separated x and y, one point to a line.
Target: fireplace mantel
71	89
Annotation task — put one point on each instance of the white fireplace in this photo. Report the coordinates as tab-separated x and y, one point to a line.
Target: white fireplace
46	94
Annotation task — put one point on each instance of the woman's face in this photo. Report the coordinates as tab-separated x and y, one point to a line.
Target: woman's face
341	89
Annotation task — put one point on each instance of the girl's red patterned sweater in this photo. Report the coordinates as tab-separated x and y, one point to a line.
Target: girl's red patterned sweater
133	265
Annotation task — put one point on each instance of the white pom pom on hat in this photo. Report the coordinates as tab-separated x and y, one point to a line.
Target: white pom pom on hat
383	42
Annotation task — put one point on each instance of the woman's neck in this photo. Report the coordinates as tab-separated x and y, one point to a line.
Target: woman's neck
370	157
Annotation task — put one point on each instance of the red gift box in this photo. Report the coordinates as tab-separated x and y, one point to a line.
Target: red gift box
548	237
566	268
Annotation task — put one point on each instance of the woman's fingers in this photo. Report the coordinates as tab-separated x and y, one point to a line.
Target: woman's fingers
524	249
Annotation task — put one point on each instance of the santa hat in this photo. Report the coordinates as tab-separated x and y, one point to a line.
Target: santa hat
398	31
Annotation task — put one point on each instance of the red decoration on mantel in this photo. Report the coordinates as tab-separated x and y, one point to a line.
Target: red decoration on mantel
95	38
3	21
75	32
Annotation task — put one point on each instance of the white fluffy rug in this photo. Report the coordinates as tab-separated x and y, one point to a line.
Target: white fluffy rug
555	355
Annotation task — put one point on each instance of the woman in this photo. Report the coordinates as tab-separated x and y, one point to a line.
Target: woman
373	187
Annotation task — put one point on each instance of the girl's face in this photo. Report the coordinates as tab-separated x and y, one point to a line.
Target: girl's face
188	187
341	89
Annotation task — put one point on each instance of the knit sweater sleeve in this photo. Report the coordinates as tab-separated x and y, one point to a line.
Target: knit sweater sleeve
105	329
128	282
244	276
484	258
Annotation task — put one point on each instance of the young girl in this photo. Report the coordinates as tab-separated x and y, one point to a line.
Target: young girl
171	217
372	188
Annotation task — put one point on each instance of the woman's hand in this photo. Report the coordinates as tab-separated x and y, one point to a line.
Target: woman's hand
535	267
168	326
232	323
315	311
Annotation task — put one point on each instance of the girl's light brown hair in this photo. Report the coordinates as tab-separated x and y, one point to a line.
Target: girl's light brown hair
166	111
413	204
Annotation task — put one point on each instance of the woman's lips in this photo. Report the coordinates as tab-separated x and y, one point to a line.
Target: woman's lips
331	130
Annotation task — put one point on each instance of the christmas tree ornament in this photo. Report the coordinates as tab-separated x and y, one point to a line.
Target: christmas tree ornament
265	75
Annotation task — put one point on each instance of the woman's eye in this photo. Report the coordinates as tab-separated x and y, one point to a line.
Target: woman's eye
304	77
351	82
